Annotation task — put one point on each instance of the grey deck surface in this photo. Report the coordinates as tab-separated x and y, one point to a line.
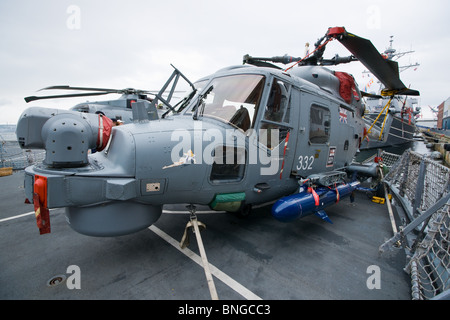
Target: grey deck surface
306	259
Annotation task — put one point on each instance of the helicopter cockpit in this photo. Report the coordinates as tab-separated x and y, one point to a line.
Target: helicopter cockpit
236	99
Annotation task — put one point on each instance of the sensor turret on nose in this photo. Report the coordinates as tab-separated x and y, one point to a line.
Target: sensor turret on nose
65	135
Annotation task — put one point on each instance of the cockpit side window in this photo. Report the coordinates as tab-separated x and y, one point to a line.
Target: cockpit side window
275	122
319	131
228	165
277	108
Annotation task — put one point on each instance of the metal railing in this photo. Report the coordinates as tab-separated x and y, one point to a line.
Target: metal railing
421	186
11	155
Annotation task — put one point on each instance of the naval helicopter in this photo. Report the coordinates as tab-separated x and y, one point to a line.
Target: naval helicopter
116	109
119	110
246	135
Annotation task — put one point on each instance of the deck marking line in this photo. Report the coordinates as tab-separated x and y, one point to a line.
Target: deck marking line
226	279
233	284
18	216
164	211
22	215
187	212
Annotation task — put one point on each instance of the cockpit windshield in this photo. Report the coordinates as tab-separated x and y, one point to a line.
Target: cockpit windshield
233	99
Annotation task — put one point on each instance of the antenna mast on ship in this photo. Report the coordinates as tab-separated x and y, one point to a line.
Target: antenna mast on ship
392	55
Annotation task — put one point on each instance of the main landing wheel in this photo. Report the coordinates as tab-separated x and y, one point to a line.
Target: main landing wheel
244	211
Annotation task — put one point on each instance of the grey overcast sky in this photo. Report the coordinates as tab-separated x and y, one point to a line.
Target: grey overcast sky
121	44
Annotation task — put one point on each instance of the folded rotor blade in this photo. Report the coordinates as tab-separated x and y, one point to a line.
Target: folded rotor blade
119	91
385	70
78	88
34	98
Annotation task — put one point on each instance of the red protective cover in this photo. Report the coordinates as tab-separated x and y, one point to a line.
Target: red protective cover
347	86
105	125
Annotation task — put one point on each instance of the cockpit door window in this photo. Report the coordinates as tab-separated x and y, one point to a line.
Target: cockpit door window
275	121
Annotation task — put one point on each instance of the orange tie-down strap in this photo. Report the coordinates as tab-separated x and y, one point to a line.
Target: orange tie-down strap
42	216
315	195
40	204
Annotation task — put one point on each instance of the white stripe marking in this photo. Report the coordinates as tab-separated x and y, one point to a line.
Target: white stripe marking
233	284
18	216
187	212
164	211
21	215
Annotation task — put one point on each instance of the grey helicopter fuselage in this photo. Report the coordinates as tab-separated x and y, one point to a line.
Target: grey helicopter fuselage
246	137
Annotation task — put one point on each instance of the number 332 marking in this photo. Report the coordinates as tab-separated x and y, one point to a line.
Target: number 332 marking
305	162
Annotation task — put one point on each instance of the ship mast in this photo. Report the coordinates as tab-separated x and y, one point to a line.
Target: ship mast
392	55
